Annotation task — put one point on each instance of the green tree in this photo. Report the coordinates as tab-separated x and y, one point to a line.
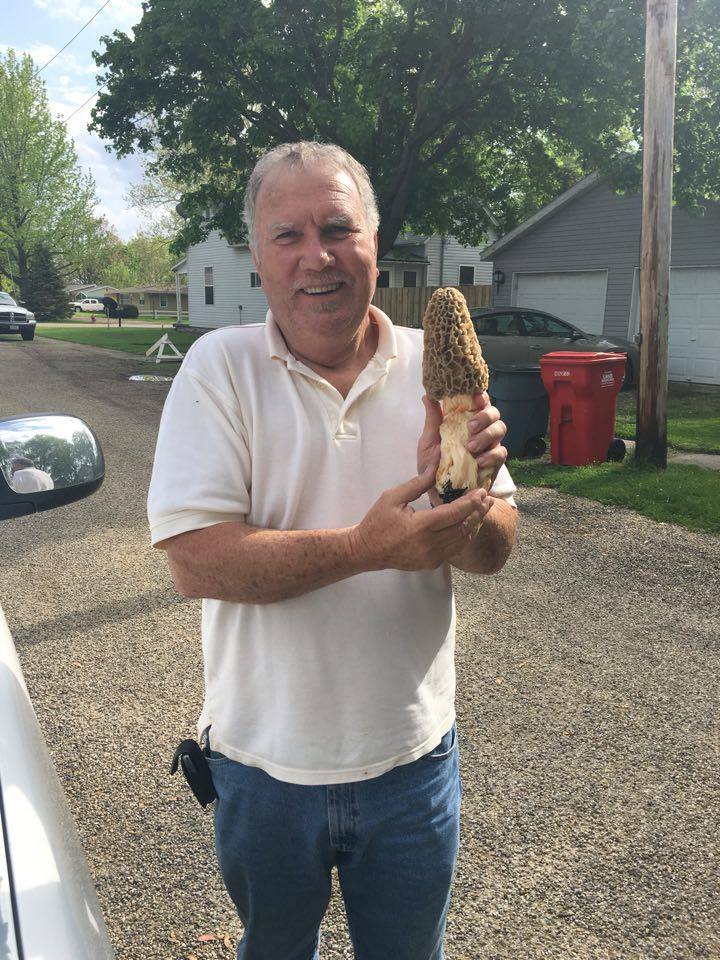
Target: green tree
44	291
98	257
44	195
156	198
148	259
455	106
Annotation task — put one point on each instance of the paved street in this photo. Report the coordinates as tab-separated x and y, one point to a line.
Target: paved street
587	709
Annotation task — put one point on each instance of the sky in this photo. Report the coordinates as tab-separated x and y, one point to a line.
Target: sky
41	28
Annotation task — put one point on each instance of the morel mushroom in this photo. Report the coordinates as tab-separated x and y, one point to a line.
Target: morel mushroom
453	369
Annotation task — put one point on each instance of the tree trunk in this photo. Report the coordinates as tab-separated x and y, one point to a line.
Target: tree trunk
23	268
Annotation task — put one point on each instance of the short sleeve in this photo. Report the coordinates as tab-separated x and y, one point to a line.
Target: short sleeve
504	487
201	472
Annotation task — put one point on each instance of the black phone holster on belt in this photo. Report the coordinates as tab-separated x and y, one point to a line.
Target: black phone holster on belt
196	771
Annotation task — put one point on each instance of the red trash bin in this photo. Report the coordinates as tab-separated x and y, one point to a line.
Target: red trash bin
583	389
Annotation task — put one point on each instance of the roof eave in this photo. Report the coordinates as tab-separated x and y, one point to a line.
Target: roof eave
542	214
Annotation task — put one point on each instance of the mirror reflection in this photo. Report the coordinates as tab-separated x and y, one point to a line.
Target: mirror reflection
48	453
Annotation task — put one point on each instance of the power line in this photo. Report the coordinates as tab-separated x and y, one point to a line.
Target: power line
78	109
73	38
145	116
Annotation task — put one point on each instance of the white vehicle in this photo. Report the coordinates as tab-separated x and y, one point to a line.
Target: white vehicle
48	906
88	305
15	319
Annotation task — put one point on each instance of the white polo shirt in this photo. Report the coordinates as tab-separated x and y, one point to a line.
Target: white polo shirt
350	680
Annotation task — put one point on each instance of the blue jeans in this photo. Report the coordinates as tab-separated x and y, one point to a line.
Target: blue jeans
393	839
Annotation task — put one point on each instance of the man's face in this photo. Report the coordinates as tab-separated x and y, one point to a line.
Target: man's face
314	251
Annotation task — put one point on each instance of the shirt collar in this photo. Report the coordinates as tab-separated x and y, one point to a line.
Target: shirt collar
386	348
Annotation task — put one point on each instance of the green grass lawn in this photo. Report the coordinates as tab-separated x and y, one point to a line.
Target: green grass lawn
129	339
693	419
681	494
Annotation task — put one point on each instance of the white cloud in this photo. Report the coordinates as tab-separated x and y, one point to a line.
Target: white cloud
42	53
123	14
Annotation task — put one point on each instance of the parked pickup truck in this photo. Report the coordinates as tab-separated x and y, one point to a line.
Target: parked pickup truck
88	305
14	318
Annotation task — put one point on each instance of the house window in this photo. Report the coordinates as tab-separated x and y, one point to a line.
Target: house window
255	280
466	276
163	299
383	279
141	299
409	278
209	288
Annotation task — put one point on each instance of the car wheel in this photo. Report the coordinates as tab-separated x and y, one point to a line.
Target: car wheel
616	450
535	447
628	380
28	334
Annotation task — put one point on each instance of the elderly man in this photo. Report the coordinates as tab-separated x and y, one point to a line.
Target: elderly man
288	460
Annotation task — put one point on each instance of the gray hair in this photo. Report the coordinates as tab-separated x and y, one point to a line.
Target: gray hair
305	153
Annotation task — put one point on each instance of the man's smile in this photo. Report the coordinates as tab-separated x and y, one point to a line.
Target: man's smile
317	291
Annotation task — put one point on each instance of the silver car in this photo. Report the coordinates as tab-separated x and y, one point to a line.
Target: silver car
520	336
48	906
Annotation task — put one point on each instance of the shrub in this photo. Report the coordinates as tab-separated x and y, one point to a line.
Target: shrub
127	311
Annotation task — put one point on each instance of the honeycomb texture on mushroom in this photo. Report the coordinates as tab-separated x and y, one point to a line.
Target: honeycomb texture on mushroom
452	361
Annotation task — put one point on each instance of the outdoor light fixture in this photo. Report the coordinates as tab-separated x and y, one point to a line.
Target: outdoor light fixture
499	278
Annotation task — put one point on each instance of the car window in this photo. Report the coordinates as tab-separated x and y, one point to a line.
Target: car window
498	325
540	325
7	299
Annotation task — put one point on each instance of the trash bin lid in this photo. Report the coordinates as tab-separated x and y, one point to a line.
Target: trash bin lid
580	358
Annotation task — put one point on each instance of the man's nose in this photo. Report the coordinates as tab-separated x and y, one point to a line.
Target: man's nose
316	253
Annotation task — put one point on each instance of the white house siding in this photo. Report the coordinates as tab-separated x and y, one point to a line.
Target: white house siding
455	255
397	271
231	280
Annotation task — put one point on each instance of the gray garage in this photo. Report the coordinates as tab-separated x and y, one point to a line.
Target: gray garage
578	258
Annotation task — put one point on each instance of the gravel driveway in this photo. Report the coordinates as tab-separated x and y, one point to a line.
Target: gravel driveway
588	709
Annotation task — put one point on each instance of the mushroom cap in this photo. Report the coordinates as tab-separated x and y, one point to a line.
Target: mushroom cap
452	360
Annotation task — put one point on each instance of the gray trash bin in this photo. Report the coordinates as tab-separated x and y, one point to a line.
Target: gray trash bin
520	396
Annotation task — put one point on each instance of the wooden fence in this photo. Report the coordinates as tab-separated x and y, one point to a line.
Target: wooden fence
406	305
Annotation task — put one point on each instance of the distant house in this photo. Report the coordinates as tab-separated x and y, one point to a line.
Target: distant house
149	299
224	288
579	258
78	291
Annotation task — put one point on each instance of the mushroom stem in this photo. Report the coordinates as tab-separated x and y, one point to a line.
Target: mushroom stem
458	471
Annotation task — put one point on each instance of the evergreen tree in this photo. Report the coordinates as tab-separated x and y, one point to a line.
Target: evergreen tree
44	291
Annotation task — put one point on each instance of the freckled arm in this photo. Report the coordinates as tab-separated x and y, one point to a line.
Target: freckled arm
245	564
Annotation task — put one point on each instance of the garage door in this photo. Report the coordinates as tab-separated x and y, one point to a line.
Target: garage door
694	329
578	298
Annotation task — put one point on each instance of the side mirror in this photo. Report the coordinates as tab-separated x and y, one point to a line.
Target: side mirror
46	460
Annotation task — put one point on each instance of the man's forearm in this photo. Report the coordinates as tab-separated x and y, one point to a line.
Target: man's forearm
246	564
491	546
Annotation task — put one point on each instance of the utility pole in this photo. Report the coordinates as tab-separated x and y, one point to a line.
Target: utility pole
656	235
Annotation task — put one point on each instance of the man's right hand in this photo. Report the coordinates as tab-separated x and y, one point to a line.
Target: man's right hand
393	535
